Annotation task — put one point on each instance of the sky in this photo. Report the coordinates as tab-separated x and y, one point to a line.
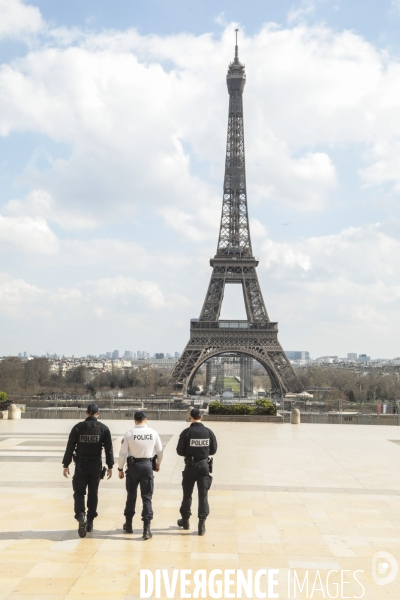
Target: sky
112	143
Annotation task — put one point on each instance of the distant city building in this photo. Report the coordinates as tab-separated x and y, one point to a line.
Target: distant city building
298	355
177	354
160	355
168	355
327	359
363	358
128	354
108	354
19	354
115	354
352	356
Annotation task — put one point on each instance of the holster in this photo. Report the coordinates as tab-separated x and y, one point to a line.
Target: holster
154	462
210	463
189	461
103	472
74	457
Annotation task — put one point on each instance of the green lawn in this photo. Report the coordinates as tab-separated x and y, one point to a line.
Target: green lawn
231	382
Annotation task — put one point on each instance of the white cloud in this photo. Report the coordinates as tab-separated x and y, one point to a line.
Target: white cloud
16	295
39	203
361	255
258	230
108	296
304	183
337	290
27	234
284	256
18	19
124	291
304	10
200	224
16	291
135	131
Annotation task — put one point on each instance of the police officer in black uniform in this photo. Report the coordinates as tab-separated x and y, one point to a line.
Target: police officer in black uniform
87	440
196	443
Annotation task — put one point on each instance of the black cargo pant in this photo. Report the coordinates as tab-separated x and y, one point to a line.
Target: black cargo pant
199	473
87	475
140	473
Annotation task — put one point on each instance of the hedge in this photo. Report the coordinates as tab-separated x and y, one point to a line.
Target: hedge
261	407
4	402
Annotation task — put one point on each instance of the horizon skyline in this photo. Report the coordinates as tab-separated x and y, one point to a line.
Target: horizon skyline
151	354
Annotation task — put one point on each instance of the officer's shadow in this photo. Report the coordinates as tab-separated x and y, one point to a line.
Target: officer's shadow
64	535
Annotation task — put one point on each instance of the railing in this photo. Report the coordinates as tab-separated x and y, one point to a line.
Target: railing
195	324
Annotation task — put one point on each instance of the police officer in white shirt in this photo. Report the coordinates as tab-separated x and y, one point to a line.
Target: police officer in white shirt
139	445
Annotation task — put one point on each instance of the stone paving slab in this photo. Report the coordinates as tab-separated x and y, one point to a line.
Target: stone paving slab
308	498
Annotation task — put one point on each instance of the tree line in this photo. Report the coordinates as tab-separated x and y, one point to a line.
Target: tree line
34	377
375	385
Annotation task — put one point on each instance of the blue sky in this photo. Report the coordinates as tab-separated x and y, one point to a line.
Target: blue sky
112	136
374	19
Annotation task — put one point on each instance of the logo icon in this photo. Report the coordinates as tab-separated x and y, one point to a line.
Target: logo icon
384	568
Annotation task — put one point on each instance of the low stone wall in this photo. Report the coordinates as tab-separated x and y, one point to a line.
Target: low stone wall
105	414
245	418
360	419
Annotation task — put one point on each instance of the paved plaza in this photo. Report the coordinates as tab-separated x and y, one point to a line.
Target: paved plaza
314	498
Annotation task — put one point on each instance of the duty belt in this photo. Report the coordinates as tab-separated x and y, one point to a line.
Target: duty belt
88	457
132	460
191	460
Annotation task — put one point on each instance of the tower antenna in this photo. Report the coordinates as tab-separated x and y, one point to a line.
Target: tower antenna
236	47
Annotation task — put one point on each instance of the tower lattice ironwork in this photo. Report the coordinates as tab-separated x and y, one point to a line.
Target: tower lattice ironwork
234	263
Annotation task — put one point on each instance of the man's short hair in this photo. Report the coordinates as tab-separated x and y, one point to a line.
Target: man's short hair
92	409
139	416
195	413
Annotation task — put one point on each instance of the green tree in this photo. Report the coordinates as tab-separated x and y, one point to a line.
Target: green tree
351	396
77	375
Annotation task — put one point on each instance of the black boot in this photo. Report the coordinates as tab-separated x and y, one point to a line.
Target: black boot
127	526
82	525
184	523
89	526
146	530
202	526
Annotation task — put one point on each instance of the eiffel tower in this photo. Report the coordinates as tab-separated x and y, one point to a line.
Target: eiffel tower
234	263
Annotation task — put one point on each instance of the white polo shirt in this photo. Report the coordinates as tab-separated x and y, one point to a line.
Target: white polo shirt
141	442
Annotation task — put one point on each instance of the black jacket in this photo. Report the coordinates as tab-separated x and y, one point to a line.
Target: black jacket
105	442
198	441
